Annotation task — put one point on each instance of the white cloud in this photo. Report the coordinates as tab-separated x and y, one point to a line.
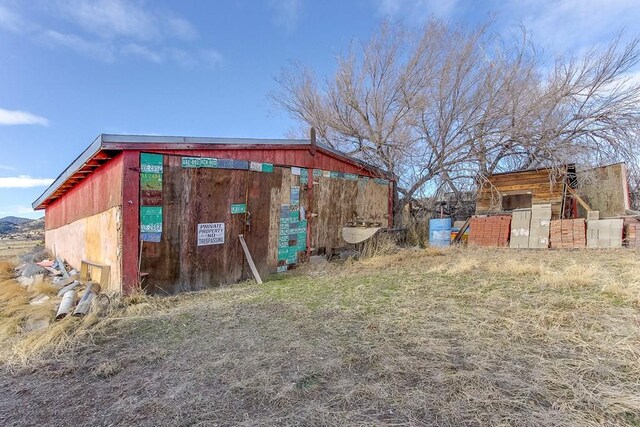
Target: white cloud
16	117
286	13
181	28
573	25
109	30
24	181
143	52
417	9
124	18
9	20
101	51
209	57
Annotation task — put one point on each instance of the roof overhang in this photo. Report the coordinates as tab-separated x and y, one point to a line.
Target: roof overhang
105	146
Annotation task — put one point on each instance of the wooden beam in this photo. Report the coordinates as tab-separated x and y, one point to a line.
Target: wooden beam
254	270
579	199
464	227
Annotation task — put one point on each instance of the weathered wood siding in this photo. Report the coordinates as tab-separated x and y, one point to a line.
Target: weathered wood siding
192	196
545	186
197	196
291	156
338	201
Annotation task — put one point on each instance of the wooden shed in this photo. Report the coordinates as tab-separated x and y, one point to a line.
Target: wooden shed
504	192
170	210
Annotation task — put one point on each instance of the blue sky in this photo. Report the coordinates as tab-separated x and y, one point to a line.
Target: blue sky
72	69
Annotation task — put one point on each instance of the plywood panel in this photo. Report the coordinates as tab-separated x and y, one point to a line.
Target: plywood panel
338	201
605	190
265	192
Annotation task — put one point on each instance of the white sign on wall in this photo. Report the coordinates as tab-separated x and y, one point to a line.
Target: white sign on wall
211	234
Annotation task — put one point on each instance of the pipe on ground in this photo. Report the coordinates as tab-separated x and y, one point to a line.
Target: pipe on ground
85	302
66	305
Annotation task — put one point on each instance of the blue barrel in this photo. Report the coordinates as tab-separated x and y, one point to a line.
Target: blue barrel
440	232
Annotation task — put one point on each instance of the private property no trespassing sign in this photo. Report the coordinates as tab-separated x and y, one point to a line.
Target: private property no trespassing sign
211	234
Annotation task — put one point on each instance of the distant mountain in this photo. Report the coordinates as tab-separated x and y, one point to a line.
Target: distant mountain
15	220
21	228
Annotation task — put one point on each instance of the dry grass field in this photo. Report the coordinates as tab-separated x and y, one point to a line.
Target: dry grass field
416	337
10	248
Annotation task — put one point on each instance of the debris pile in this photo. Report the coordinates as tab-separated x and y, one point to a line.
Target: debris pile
74	293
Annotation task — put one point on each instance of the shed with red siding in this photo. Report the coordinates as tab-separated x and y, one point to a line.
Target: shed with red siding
170	209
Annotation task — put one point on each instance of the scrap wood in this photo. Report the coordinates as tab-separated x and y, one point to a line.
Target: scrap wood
62	268
462	230
579	199
247	254
53	271
354	235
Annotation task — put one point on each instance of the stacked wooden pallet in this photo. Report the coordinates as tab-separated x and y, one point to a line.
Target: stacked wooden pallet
568	233
490	231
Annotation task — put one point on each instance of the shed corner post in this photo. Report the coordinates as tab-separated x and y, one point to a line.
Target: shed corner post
130	220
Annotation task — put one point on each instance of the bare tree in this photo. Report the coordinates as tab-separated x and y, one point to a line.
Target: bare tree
443	107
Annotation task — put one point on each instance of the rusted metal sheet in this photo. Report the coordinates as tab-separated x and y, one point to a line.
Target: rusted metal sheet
98	192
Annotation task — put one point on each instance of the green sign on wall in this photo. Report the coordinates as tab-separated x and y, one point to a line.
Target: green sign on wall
151	163
238	208
151	219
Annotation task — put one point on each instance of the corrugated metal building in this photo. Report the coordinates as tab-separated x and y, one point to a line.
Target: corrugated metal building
172	208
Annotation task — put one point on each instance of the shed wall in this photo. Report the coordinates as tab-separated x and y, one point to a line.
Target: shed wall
98	192
545	188
86	223
97	237
192	196
338	201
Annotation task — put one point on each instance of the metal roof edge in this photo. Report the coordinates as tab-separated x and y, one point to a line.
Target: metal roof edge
151	139
85	156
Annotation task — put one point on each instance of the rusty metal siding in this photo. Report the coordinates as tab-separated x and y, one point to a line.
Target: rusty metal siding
98	192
